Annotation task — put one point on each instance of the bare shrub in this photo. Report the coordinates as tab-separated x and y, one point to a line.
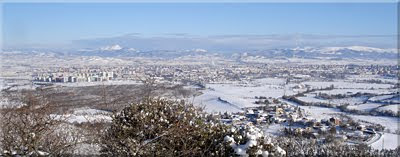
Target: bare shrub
32	130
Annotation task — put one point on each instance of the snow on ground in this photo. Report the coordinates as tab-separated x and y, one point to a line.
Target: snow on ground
274	129
236	96
348	85
242	95
352	100
2	84
294	88
393	108
87	118
392	99
316	111
89	111
211	104
319	60
354	91
17	86
387	141
391	123
372	77
383	97
248	91
365	107
395	99
86	115
7	103
320	112
84	149
270	81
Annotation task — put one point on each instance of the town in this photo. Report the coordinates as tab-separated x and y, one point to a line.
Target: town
210	73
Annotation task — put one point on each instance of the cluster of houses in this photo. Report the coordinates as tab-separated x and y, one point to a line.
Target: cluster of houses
333	126
275	112
296	121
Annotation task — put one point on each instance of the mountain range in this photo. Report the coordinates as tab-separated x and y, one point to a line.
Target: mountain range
351	52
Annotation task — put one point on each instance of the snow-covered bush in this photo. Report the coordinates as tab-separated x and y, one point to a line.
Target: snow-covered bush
31	130
248	140
160	127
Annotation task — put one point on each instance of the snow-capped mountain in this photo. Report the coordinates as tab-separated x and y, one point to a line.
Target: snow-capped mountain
350	52
111	48
117	50
357	48
361	52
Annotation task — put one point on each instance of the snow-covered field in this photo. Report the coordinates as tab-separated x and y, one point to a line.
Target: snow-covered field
387	141
381	97
372	77
348	85
316	111
212	104
238	96
393	108
320	112
392	98
385	93
365	107
391	123
311	98
354	91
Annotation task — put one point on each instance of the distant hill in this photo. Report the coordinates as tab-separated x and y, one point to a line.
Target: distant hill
338	53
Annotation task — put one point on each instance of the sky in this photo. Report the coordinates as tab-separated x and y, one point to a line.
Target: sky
49	24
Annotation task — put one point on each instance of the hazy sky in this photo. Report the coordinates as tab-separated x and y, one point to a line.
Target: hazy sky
42	23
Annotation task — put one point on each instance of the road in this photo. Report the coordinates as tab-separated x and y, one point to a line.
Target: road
377	136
